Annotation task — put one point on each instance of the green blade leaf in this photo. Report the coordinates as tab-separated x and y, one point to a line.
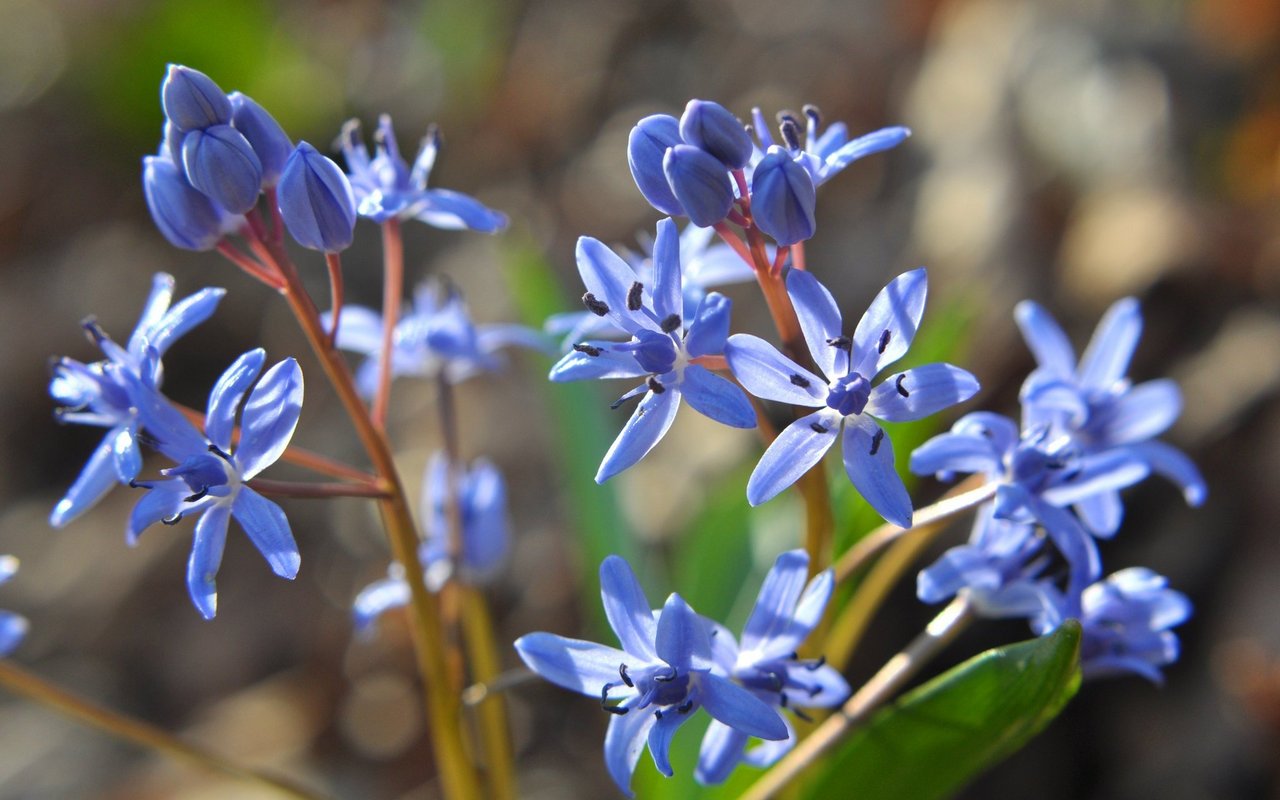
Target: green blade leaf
936	738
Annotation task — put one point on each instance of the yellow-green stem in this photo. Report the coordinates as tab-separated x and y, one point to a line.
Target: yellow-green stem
135	731
491	712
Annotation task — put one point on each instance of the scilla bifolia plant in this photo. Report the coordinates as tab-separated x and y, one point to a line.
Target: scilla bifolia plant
1044	490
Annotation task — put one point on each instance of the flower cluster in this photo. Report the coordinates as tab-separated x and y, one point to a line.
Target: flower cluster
673	662
1086	433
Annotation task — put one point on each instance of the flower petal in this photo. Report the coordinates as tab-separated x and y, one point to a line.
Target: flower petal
359	329
227	394
1144	412
710	328
1101	513
956	452
1102	472
770	375
681	639
921	391
605	363
819	321
800	445
863	146
269	418
717	398
766	754
1171	463
627	609
652	417
868	459
660	736
623	743
609	279
162	501
1107	357
453	211
776	603
90	486
1046	340
738	708
268	529
206	557
185	315
667	296
897	309
169	431
13	627
720	753
573	664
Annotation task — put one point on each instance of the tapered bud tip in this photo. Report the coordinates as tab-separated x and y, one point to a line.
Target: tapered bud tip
268	139
700	183
192	101
783	198
186	217
711	127
220	162
648	144
316	201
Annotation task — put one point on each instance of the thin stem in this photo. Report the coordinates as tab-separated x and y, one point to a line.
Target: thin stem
247	265
317	490
392	289
896	672
731	238
277	222
478	630
135	731
334	262
254	219
775	296
972	492
797	255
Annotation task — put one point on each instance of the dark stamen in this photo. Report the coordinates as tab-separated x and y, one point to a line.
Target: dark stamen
802	715
685	707
588	349
172	520
217	451
134	484
775	681
875	441
898	385
657	712
634	296
671	323
814	115
884	340
95	331
655	385
818	427
782	699
191	498
790	130
800	380
841	343
622	670
615	709
597	307
816	665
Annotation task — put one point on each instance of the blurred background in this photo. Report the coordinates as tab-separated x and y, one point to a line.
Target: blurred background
1070	152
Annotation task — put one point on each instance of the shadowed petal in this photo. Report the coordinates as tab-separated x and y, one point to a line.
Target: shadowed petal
1106	359
206	557
660	736
359	329
800	445
647	425
268	529
227	395
578	666
168	429
627	609
91	485
1145	411
819	320
770	375
955	452
623	743
1101	513
896	309
710	329
921	391
185	315
162	501
735	706
667	298
1047	342
269	418
681	638
1171	463
765	754
717	398
868	458
450	210
721	751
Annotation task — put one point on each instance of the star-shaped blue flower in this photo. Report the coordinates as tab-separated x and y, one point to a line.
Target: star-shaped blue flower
823	154
766	664
845	397
661	676
96	394
661	347
386	186
210	478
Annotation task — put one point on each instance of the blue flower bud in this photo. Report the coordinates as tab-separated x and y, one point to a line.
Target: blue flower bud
700	183
269	141
171	144
221	163
711	127
782	198
316	201
192	101
186	217
648	144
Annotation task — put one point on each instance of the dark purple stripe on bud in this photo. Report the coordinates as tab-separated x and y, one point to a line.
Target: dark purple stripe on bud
783	198
712	128
186	217
192	101
648	144
268	139
316	201
220	163
700	183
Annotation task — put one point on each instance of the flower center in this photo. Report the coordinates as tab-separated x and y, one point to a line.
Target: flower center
849	395
656	353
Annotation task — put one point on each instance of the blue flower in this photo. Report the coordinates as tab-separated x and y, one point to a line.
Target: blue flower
766	664
1098	406
1125	621
185	217
664	672
436	336
316	201
13	627
660	347
210	479
385	186
98	394
822	154
845	397
482	505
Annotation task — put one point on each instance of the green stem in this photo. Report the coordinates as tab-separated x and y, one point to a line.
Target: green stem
137	732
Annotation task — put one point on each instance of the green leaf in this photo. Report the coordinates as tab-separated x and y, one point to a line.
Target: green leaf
935	739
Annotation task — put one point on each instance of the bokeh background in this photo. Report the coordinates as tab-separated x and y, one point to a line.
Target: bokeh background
1071	152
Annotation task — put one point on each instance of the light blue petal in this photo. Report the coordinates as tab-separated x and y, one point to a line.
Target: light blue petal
720	753
359	329
609	279
918	392
378	598
897	309
627	609
1107	357
490	338
800	445
766	754
681	639
13	627
660	736
812	604
776	603
717	398
128	456
168	428
955	452
864	145
718	265
770	375
738	708
607	363
188	313
650	422
1103	472
268	529
819	321
1045	339
227	393
157	303
90	486
450	210
1047	398
206	557
1002	432
710	329
667	293
578	666
1144	412
623	742
485	535
1074	542
873	473
1171	463
1101	513
163	501
269	418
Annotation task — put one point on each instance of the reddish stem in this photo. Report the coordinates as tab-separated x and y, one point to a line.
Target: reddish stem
316	490
392	289
334	262
248	265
